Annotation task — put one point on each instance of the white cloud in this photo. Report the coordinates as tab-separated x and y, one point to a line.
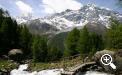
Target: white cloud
57	6
24	8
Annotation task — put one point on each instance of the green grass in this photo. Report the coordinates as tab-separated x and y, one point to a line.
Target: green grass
7	64
65	64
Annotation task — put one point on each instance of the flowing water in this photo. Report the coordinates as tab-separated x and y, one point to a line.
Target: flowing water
92	73
22	68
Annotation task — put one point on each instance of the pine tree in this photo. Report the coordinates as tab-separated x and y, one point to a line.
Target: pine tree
71	43
114	35
84	43
25	39
8	32
4	44
96	43
1	16
12	33
54	54
39	49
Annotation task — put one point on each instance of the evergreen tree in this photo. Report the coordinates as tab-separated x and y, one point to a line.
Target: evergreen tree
84	42
114	35
4	44
54	54
96	43
39	48
25	39
1	16
15	34
8	32
12	35
71	43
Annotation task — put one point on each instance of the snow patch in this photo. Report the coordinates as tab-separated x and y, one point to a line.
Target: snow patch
105	8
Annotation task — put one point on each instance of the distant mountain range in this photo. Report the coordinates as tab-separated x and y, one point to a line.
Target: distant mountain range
57	25
65	21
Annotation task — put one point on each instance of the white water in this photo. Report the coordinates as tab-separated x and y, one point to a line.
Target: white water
20	71
93	73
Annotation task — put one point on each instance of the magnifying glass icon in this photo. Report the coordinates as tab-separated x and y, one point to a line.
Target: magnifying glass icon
106	59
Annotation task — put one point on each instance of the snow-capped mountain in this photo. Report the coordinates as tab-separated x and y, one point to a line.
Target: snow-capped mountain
24	18
89	13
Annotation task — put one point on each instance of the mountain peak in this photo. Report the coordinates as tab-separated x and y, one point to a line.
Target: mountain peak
24	18
90	5
73	18
87	13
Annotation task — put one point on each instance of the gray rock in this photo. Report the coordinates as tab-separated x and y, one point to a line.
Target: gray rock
15	51
117	60
98	56
16	54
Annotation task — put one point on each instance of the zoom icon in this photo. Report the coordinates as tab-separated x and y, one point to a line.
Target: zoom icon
106	59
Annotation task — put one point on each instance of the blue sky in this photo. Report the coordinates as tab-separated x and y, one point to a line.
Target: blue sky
41	8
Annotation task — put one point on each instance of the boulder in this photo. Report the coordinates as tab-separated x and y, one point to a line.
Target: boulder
15	51
16	54
97	56
97	59
117	60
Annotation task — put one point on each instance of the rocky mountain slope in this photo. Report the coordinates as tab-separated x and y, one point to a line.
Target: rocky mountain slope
64	21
